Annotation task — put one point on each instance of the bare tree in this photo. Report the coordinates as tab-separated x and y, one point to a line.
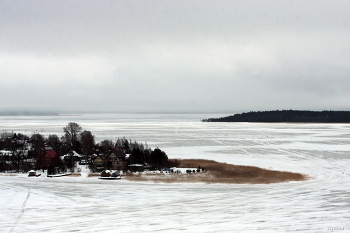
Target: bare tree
54	142
38	148
106	146
6	134
87	142
71	134
38	142
17	148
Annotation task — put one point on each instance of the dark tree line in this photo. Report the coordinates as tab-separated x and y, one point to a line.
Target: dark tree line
157	158
287	116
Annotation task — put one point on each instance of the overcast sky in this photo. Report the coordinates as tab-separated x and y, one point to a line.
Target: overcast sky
174	56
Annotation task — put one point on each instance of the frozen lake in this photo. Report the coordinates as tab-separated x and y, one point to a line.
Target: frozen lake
66	204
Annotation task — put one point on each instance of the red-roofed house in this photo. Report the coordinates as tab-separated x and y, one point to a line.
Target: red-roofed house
52	154
49	158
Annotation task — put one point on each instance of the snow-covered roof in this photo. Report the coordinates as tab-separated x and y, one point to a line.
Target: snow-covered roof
5	152
183	169
136	165
51	153
75	154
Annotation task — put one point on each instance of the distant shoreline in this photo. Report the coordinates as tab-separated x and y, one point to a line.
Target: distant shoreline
301	123
287	116
28	114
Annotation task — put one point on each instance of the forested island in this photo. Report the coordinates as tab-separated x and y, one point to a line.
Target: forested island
292	116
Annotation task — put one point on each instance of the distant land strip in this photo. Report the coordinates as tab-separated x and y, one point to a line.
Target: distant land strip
292	116
28	114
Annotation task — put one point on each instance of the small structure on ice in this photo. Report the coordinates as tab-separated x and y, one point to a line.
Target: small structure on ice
33	173
108	175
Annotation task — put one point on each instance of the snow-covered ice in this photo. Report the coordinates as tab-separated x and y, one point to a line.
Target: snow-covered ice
81	204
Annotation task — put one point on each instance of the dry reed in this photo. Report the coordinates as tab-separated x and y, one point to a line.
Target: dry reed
8	174
216	172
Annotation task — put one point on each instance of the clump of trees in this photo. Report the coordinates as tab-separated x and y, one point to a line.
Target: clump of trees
13	157
21	153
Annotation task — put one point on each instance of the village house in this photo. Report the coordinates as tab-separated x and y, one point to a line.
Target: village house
49	159
99	163
115	161
118	160
136	167
71	158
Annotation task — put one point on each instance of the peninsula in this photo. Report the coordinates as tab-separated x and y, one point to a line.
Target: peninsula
76	153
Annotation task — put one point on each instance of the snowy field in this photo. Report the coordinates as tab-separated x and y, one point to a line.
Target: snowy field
67	204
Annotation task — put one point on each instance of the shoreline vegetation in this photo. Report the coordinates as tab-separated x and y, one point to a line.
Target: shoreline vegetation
214	173
219	173
287	116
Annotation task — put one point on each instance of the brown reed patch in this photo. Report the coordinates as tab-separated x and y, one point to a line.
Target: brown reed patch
216	172
8	174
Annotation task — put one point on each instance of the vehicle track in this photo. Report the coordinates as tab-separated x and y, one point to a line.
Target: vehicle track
22	211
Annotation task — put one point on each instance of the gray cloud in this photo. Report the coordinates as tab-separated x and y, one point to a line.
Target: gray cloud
173	56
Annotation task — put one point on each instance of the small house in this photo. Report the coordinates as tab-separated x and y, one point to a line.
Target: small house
49	158
99	163
72	157
136	167
117	160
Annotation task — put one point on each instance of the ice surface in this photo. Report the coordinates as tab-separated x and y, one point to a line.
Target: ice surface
81	204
